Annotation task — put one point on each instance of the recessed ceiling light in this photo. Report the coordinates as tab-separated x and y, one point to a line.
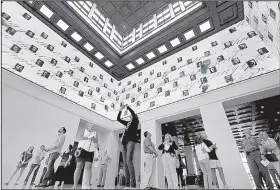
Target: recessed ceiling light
261	111
62	25
130	66
150	55
190	34
76	36
140	61
262	107
278	112
162	49
205	26
175	42
88	46
275	119
98	55
46	11
108	63
30	2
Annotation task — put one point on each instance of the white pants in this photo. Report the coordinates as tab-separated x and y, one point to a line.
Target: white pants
207	173
149	171
169	164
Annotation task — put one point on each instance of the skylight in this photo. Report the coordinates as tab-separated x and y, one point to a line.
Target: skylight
98	55
88	46
76	36
62	25
150	55
130	66
205	26
108	63
46	11
162	49
189	35
140	61
175	42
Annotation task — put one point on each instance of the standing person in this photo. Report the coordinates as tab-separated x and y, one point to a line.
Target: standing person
24	160
201	151
148	181
85	155
39	156
121	176
105	161
128	140
250	145
62	170
214	161
169	159
54	151
180	171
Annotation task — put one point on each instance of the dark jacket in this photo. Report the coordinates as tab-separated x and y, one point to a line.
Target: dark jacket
171	149
130	133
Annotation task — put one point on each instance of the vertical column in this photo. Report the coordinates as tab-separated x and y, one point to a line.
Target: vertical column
141	30
92	10
105	28
182	6
189	159
133	35
171	10
155	21
219	132
113	32
155	129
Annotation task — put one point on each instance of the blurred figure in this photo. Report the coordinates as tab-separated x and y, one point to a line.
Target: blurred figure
105	161
180	171
121	176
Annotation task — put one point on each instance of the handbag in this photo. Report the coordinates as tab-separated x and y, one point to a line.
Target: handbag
271	157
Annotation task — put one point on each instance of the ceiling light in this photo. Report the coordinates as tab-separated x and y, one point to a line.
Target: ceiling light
98	55
140	61
262	107
175	42
62	25
190	34
46	11
275	119
88	46
76	36
130	66
108	63
278	112
30	2
150	55
261	111
205	26
162	49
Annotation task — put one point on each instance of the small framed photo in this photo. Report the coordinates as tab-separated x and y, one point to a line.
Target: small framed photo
264	18
101	77
67	59
63	43
81	93
129	83
251	63
250	3
213	44
194	48
18	67
93	106
106	107
50	47
270	36
138	103
39	62
44	35
255	19
232	30
159	74
59	74
112	105
167	93
180	59
159	90
105	85
102	99
166	80
5	16
77	59
182	73
70	72
120	83
134	85
15	48
90	92
251	34
139	74
189	61
207	53
123	90
62	90
247	19
164	62
235	61
198	64
185	93
262	51
242	46
139	89
53	62
146	80
132	100
109	94
272	13
152	86
213	69
260	35
30	33
152	72
26	16
86	79
121	104
91	65
115	92
11	31
193	77
76	84
229	78
220	58
33	48
117	98
112	80
82	69
152	104
203	80
46	74
228	44
146	95
94	77
97	89
175	84
173	68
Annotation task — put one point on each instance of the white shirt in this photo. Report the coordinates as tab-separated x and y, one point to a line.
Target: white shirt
89	145
58	143
40	154
200	153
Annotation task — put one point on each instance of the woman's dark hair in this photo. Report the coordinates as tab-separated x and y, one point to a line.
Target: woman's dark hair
70	147
197	140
